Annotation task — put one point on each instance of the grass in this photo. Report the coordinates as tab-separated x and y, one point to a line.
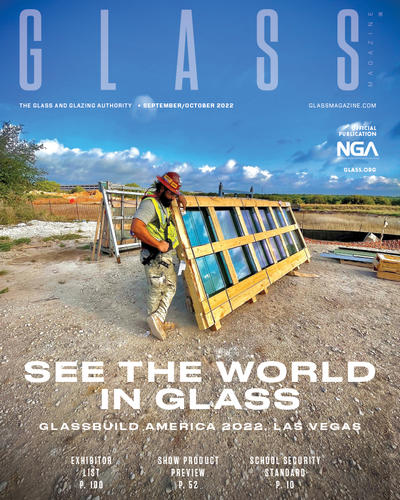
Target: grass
5	246
23	212
62	237
84	247
21	241
5	290
7	243
3	272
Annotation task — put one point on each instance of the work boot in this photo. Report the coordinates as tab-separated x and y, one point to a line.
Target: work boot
168	325
156	327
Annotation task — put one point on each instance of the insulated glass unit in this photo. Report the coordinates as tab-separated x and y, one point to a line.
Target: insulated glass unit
288	216
242	262
214	273
251	221
297	239
279	217
277	248
267	218
263	254
229	223
291	247
199	227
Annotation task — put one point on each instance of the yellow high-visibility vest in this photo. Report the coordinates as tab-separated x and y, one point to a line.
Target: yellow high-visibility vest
159	229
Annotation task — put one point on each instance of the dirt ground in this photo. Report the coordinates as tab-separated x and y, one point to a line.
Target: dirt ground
60	307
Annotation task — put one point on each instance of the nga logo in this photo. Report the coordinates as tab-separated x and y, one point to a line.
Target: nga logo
355	149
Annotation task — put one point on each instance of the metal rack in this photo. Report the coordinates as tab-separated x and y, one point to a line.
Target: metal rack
115	217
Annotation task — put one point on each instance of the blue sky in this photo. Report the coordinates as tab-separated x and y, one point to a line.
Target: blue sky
272	140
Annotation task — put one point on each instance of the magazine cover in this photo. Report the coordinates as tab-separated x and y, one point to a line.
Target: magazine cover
249	348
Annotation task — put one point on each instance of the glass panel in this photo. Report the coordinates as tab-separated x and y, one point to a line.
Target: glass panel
196	228
267	219
281	248
242	262
251	221
279	217
277	248
267	252
224	269
210	274
209	224
229	223
297	239
289	243
263	254
288	216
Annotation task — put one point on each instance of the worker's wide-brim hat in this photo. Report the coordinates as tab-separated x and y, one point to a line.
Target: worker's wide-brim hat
171	181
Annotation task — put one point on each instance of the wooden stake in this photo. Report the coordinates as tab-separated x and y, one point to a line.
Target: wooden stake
101	233
96	233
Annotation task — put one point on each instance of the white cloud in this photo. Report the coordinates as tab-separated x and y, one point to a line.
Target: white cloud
182	168
380	179
148	155
133	153
207	169
251	172
53	147
69	165
333	180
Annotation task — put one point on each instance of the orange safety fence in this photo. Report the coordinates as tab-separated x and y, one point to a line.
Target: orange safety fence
69	211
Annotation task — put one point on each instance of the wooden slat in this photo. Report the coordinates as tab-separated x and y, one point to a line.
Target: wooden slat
273	232
191	201
248	282
216	201
219	246
215	301
220	236
244	228
202	250
388	276
253	202
247	294
284	266
180	226
391	267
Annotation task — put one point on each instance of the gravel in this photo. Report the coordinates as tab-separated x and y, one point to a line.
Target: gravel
41	229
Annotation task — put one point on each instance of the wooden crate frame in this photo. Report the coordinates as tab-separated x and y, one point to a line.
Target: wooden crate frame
210	310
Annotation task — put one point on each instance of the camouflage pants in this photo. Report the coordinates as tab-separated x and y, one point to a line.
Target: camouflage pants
161	285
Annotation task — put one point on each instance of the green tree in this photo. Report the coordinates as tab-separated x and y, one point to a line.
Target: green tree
382	200
18	173
48	186
77	189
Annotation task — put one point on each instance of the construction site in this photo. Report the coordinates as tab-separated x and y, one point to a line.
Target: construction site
252	288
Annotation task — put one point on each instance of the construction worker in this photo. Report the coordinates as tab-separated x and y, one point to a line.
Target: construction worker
153	226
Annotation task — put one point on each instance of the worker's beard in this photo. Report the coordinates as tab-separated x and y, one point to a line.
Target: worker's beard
166	202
